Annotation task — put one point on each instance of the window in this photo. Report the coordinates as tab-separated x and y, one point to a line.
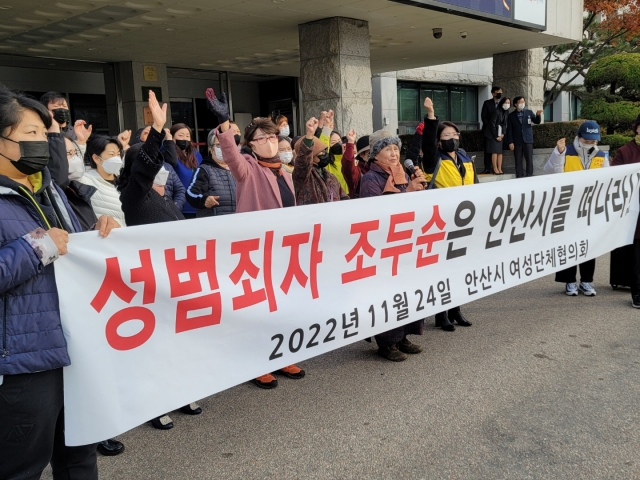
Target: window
456	103
576	107
548	110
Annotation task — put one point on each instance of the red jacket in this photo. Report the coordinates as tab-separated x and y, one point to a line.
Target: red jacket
629	153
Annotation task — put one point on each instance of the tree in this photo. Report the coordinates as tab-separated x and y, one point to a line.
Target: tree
609	27
613	91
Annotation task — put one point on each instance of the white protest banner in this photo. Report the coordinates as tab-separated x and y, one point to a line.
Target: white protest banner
162	315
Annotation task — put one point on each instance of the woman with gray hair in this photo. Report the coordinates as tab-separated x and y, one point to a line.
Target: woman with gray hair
386	177
212	190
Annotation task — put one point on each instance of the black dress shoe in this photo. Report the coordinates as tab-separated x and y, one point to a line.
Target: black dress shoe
455	315
191	409
442	321
486	171
110	448
162	423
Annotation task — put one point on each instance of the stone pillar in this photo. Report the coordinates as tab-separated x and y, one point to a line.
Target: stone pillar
335	72
521	73
385	102
132	83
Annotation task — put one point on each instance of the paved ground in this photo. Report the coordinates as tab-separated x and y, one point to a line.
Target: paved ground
542	386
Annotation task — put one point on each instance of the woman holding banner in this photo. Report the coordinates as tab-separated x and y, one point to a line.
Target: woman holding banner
386	177
35	223
447	165
262	182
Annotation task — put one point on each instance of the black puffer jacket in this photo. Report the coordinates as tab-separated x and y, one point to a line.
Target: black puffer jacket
210	179
141	204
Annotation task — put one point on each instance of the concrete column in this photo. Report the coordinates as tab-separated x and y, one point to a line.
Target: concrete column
335	72
385	102
521	73
130	93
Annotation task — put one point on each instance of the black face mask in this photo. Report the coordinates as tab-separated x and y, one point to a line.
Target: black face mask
323	160
182	144
450	145
237	138
498	95
61	115
34	156
336	149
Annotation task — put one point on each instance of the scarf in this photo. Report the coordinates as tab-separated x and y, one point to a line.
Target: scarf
396	177
274	164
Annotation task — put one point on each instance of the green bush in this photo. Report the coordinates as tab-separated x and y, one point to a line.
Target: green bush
614	142
614	113
620	71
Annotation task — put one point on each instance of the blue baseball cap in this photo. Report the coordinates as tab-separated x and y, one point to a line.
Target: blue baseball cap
589	130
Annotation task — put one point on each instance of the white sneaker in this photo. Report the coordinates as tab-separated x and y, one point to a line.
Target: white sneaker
571	289
587	289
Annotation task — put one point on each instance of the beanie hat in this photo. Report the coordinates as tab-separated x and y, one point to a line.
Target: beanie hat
381	139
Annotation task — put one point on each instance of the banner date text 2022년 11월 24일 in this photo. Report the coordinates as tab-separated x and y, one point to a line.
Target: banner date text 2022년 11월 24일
154	315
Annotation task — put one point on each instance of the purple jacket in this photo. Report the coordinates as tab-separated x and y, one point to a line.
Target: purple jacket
373	182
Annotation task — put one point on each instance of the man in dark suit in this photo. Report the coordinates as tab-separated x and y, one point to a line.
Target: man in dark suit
520	135
488	109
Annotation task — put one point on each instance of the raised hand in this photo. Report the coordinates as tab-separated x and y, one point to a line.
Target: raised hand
330	119
323	119
428	105
167	134
218	105
539	112
82	133
124	138
311	126
351	136
158	112
561	145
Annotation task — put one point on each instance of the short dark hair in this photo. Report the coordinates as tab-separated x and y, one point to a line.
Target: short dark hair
495	88
443	125
263	123
12	107
503	100
517	99
96	145
49	97
282	138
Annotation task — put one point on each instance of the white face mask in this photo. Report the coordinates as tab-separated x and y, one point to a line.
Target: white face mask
76	167
506	106
112	165
161	177
286	157
285	131
218	152
521	106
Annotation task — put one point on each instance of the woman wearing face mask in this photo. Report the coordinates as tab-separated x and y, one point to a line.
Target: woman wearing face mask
312	181
630	153
387	177
283	125
286	153
520	135
103	154
212	190
446	165
262	183
188	160
498	129
35	223
582	154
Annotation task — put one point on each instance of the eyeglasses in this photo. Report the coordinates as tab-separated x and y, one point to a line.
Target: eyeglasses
447	136
263	140
71	154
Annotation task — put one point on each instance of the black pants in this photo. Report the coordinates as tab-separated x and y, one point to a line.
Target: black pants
488	164
32	431
587	269
635	284
525	150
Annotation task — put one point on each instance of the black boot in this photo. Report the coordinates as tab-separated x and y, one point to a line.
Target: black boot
392	353
455	315
443	322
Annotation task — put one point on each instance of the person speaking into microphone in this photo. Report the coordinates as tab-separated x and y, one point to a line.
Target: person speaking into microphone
446	165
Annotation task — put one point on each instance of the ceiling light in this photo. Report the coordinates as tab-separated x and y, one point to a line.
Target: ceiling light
92	48
505	43
415	26
206	64
5	7
170	29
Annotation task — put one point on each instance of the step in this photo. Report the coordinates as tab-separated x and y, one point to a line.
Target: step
495	178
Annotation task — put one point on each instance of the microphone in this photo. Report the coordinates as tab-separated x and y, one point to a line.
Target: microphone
408	164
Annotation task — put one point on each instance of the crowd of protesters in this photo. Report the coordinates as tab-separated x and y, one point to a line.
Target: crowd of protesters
57	178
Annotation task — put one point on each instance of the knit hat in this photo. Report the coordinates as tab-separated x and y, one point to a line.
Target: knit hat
362	144
381	139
